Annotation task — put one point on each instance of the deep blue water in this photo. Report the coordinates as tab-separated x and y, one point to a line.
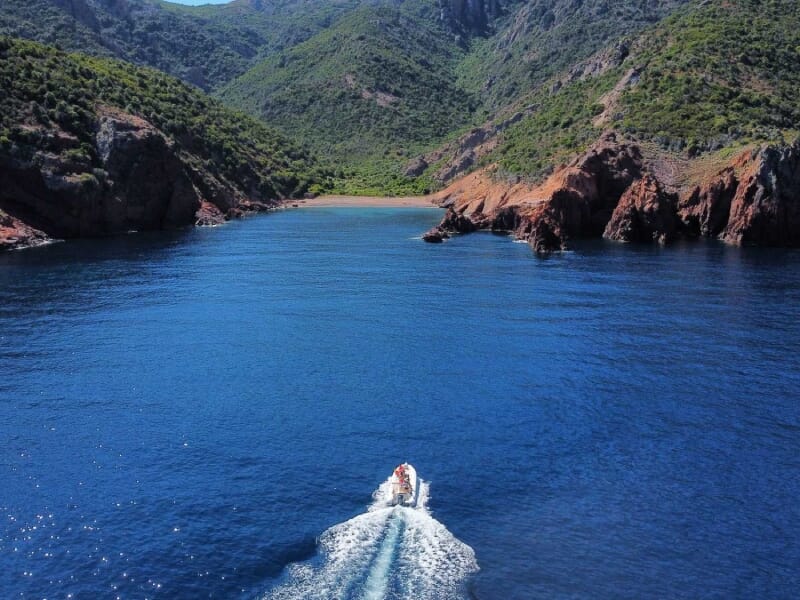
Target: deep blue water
186	415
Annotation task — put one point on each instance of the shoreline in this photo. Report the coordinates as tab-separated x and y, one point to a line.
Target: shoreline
362	202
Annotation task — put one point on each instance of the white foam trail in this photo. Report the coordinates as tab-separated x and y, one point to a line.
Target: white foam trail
377	583
387	552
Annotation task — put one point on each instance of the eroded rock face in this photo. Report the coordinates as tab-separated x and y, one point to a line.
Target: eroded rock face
704	211
138	180
435	236
457	223
452	223
147	186
455	158
755	200
766	207
209	215
416	167
140	184
607	191
644	213
15	234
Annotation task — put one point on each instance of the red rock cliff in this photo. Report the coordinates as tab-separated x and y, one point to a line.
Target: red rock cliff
611	191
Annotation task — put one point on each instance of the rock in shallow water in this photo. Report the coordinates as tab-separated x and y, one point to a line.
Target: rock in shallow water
435	236
14	234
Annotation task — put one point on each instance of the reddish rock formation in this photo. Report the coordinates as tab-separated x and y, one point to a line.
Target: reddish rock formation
208	215
755	199
766	207
575	202
16	234
644	213
705	209
435	236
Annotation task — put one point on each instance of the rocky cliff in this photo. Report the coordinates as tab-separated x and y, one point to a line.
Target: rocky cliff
765	207
644	213
141	181
612	191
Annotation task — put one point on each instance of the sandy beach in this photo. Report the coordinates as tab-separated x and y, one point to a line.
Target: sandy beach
363	202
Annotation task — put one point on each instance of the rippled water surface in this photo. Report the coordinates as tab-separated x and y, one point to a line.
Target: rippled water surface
208	413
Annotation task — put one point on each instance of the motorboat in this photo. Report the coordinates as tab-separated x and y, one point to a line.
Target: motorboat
405	488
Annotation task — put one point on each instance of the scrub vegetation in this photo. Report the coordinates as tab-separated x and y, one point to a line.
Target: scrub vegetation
711	76
376	88
46	94
721	72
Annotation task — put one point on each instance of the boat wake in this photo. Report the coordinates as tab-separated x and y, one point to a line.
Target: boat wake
388	552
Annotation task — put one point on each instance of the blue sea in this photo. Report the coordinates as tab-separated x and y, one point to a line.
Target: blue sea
213	413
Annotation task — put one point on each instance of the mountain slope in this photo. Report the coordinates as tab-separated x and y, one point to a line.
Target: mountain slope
541	38
380	83
722	72
373	84
369	82
384	83
206	46
90	146
713	75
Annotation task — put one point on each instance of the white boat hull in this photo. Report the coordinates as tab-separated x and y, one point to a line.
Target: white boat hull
405	492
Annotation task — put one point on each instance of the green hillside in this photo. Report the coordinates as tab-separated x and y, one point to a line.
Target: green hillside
385	84
205	45
725	71
714	74
48	96
371	91
140	31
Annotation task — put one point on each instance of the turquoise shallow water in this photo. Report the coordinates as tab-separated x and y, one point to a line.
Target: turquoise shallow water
207	413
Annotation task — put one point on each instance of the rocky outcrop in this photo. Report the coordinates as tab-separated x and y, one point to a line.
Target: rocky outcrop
644	213
435	235
766	207
705	209
610	191
209	215
138	179
147	185
753	201
416	167
459	156
14	234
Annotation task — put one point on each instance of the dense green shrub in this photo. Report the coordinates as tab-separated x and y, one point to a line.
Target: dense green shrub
719	72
